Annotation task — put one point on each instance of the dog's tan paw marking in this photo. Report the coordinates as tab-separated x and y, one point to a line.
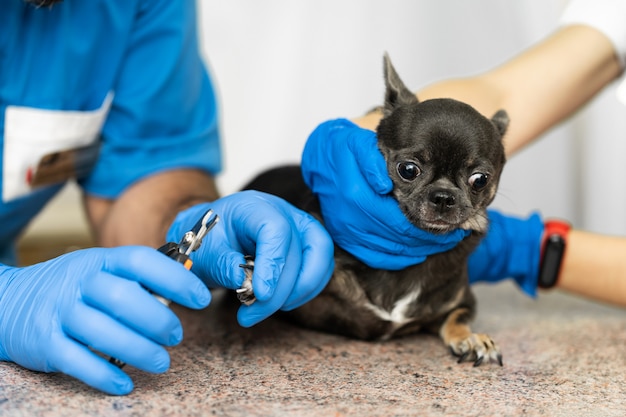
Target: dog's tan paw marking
477	347
245	293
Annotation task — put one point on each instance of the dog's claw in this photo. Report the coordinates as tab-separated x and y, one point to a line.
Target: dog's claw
476	347
245	294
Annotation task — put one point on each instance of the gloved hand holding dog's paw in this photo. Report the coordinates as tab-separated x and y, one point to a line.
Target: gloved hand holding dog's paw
293	254
54	312
344	168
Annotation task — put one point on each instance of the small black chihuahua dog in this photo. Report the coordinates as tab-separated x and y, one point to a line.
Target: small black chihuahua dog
445	160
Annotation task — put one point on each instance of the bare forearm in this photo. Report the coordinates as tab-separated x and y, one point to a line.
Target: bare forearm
540	87
143	213
595	267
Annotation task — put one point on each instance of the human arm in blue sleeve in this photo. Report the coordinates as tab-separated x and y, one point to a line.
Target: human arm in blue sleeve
160	142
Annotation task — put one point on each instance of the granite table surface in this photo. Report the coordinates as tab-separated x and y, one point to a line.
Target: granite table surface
563	356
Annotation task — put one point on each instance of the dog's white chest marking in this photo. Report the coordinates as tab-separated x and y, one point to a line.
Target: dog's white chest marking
398	314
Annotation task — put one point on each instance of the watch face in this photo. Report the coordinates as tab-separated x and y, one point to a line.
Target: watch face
551	261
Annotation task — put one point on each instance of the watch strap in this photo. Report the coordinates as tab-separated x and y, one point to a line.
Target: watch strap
553	246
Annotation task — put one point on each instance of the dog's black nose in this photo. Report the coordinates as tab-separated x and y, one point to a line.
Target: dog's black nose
444	200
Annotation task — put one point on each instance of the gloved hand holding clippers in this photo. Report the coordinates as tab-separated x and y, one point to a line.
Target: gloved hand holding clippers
54	312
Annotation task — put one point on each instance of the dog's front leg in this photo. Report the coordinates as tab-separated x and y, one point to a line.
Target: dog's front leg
458	336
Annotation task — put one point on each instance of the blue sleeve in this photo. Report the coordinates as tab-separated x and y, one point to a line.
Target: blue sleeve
163	115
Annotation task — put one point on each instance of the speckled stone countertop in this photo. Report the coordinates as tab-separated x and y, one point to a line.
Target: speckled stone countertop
563	356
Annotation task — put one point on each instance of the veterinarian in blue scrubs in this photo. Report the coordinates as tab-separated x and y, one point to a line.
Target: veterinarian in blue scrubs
539	88
125	78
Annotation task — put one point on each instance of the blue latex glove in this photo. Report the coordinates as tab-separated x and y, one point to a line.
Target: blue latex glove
51	312
511	249
343	166
293	254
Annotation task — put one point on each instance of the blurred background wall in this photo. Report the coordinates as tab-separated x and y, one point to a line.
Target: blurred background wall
281	67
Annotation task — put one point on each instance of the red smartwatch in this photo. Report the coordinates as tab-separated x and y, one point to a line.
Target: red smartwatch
553	245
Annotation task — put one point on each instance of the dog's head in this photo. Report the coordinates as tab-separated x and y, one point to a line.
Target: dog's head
443	156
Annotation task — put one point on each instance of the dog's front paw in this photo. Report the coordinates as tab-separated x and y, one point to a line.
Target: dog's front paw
245	293
476	348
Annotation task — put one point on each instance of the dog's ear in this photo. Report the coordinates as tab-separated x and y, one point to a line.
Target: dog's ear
501	121
396	93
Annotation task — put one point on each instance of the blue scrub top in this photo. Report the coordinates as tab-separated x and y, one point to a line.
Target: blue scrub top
69	57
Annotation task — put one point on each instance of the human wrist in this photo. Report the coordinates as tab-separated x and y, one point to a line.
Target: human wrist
511	249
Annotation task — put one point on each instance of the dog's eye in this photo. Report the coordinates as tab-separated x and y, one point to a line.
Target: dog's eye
408	170
478	181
